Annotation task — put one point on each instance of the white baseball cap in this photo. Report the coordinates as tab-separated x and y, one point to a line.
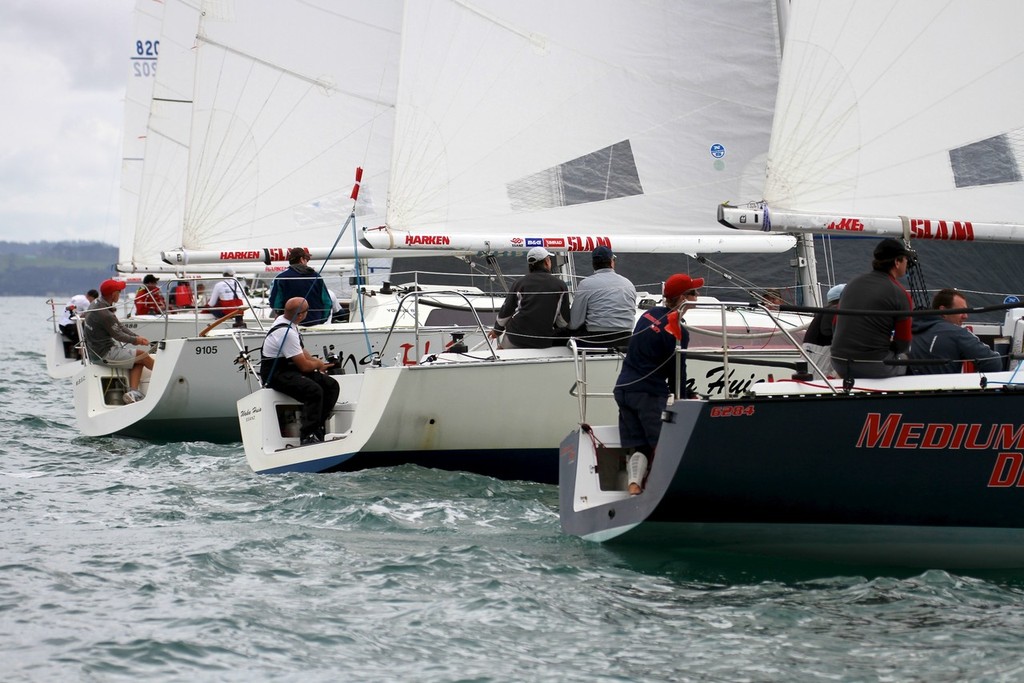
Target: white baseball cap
537	254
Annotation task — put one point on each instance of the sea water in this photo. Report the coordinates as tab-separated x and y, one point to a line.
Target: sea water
123	560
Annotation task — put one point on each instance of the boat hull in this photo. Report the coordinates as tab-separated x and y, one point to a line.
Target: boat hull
195	383
893	477
501	418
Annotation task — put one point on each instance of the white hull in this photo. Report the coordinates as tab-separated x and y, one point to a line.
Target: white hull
192	390
195	382
62	360
500	418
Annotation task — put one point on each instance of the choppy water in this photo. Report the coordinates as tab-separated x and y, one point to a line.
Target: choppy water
123	560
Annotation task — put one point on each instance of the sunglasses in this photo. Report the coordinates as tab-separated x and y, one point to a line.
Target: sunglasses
692	292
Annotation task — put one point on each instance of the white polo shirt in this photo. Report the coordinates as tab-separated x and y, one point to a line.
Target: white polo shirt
282	342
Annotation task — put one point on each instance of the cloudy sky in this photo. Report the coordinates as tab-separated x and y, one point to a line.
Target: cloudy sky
63	69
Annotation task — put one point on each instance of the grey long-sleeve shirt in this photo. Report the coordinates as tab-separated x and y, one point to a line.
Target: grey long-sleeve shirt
604	301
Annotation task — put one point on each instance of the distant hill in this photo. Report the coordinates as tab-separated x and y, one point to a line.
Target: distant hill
59	269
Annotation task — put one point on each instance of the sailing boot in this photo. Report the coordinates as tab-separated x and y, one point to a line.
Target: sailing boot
637	469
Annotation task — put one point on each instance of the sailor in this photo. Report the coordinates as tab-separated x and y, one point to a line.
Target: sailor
944	339
75	308
818	337
604	306
226	296
536	307
107	342
648	374
149	300
287	367
862	344
301	280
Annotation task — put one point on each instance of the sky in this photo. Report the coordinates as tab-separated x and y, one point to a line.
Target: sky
63	69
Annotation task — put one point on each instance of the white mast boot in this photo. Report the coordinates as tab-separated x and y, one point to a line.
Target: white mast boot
637	469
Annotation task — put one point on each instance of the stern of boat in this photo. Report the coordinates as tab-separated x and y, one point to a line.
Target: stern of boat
270	424
593	501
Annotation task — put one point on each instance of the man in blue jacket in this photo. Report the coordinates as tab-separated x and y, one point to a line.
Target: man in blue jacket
301	280
943	339
649	374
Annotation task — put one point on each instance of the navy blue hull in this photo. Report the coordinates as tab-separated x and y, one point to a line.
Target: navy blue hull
942	459
537	465
831	475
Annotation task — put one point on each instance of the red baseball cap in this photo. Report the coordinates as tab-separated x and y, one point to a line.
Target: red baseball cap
679	284
110	286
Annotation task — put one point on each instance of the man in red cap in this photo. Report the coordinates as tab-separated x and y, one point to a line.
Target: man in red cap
649	374
109	343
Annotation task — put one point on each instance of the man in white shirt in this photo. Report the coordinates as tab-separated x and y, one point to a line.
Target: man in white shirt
287	367
78	305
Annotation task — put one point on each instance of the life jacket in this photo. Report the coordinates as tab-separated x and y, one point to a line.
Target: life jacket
182	296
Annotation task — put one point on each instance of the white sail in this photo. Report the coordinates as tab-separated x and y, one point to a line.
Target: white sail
583	117
290	98
144	51
903	119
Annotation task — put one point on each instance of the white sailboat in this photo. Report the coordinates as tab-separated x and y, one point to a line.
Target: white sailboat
567	126
259	117
898	121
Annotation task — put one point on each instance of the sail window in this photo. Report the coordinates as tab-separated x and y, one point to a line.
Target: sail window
608	173
987	162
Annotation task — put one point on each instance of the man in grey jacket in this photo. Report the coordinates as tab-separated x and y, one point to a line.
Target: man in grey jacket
943	339
109	343
604	307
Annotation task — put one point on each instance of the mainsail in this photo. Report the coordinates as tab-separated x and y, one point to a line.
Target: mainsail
905	120
537	118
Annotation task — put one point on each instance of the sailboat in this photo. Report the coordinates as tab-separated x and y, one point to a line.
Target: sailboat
257	123
565	125
895	122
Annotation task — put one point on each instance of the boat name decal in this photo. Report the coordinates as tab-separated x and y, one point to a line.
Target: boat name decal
954	231
716	382
249	414
891	432
568	453
429	240
1008	438
849	224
